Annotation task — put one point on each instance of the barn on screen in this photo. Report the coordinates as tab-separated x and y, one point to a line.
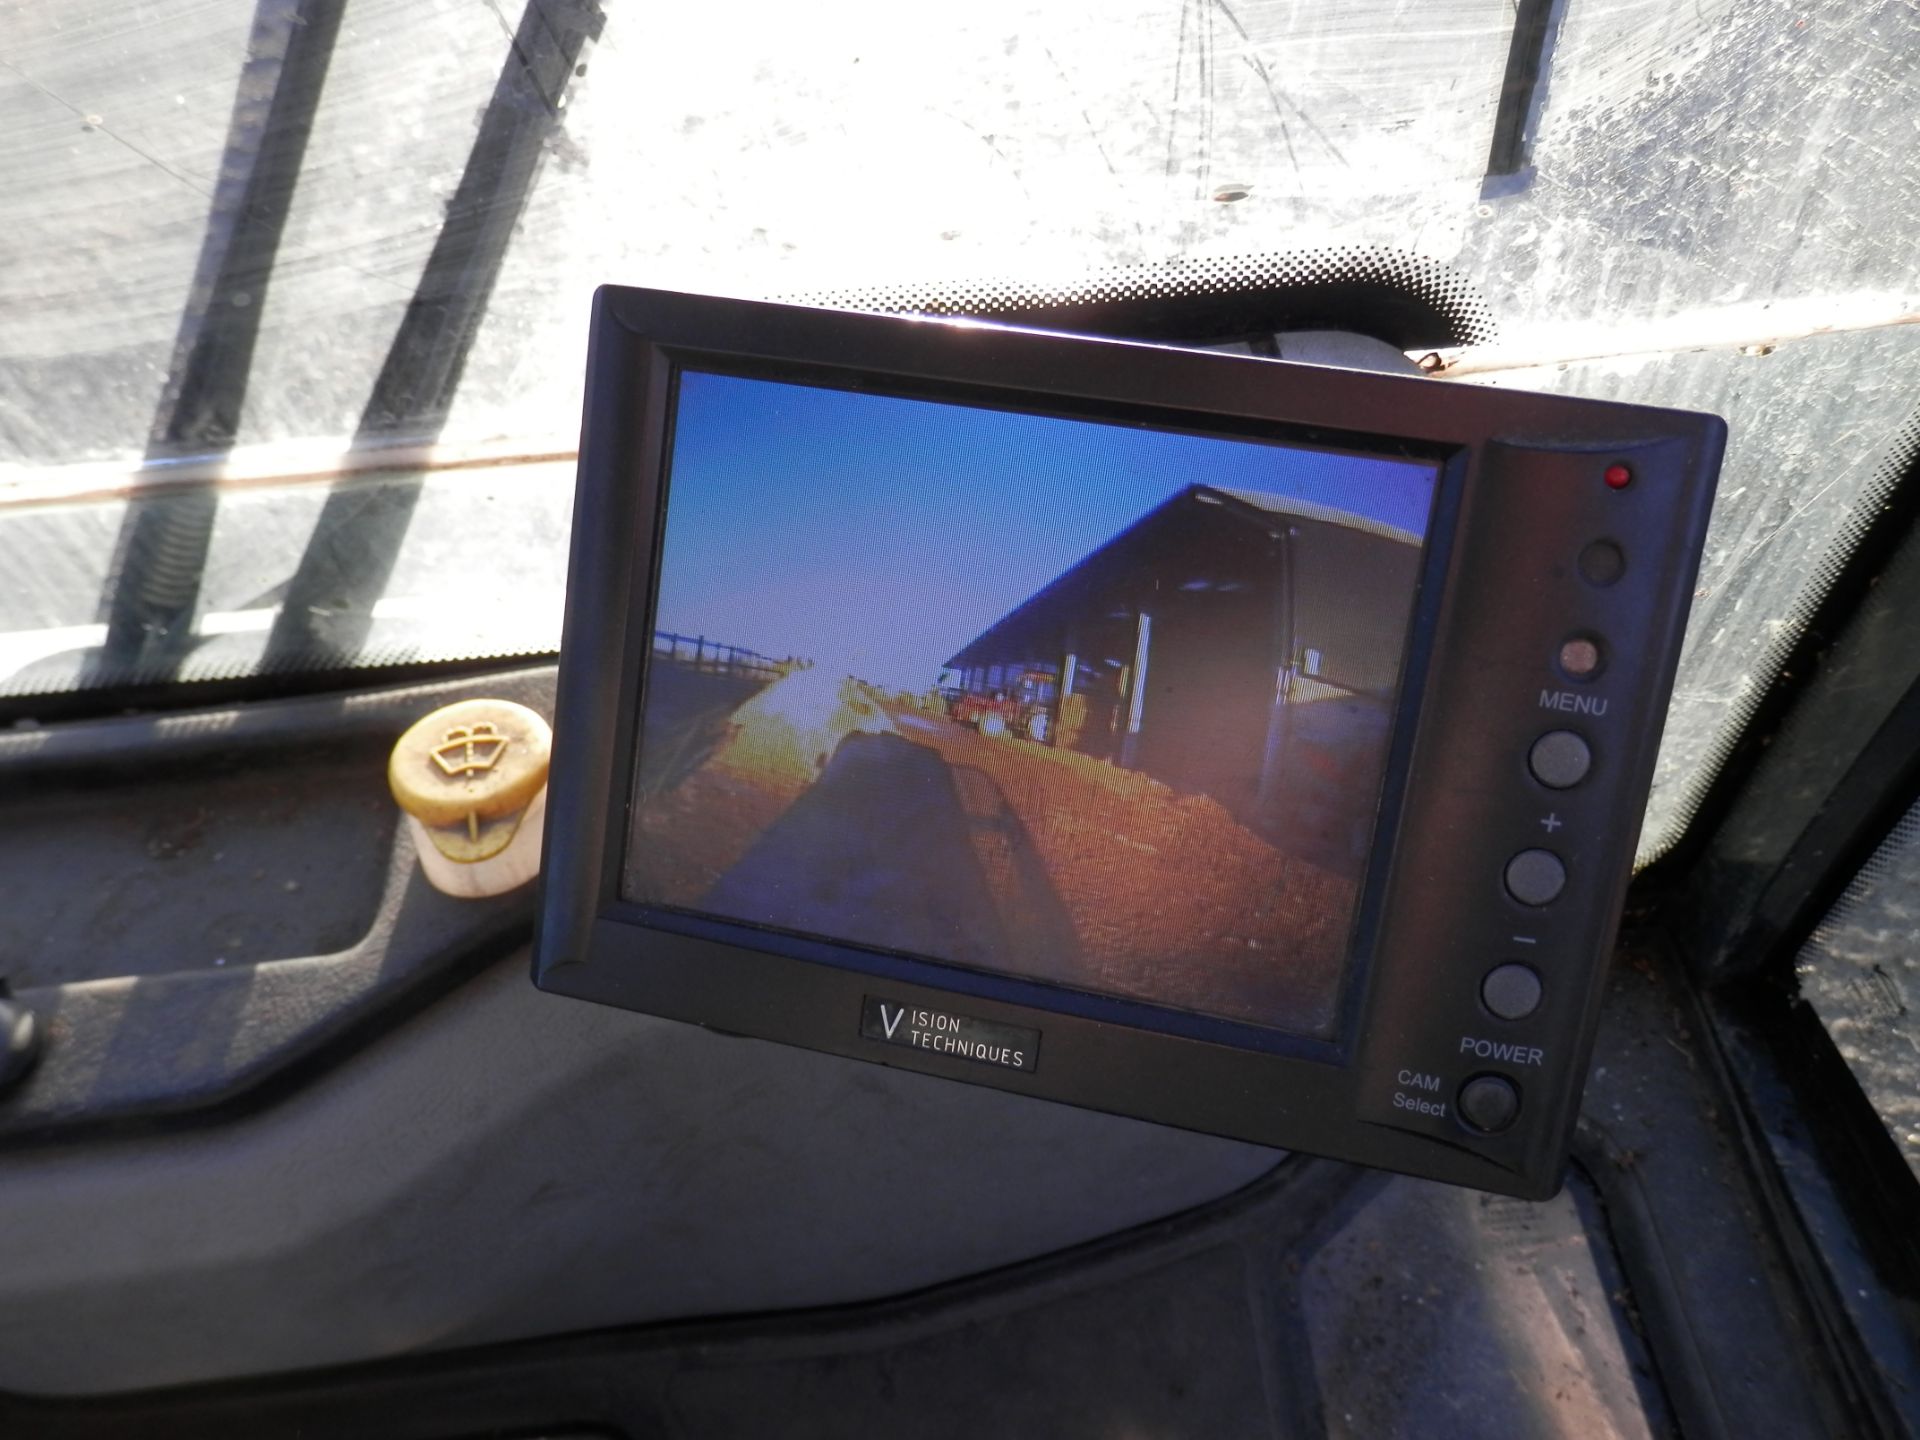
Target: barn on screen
1237	644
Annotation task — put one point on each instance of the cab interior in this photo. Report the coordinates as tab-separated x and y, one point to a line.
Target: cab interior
292	330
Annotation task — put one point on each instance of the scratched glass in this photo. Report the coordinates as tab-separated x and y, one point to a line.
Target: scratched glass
1860	971
410	330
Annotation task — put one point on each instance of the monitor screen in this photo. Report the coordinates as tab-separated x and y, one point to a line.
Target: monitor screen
1089	703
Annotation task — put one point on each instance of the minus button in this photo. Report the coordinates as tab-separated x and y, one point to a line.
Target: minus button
1536	877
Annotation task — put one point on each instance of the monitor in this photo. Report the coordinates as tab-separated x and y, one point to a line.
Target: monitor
1247	746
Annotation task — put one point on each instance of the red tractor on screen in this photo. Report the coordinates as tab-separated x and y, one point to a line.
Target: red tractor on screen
1024	709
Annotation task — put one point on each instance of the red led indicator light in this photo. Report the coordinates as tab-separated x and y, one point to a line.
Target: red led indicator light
1618	477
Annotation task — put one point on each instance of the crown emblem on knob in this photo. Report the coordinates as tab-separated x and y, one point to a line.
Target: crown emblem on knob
469	750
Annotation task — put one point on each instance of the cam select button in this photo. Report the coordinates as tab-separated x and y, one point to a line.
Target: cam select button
1489	1103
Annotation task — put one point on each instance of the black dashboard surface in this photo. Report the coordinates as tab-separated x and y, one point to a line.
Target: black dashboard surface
394	1190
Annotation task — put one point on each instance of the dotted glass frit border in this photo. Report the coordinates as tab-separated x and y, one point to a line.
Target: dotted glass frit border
1456	303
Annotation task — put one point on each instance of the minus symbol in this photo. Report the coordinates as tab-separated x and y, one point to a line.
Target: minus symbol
1525	940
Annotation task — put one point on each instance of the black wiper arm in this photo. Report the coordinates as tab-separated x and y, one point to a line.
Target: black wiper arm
350	555
153	584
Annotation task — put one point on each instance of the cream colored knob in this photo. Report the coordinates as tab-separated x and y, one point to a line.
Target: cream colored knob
472	780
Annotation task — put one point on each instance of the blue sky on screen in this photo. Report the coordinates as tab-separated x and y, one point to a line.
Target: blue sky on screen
877	535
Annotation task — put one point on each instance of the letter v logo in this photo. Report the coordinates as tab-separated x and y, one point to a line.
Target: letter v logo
892	1022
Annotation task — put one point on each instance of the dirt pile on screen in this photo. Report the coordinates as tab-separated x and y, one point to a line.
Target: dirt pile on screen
726	778
910	832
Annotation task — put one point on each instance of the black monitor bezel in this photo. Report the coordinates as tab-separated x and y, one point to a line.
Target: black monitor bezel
1131	1057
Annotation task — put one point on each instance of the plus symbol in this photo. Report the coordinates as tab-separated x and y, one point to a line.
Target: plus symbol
1552	823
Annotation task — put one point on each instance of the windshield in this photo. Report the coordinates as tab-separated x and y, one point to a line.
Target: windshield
295	295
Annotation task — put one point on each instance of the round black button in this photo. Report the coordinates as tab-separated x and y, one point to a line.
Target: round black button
1602	563
1560	759
1536	877
1511	991
1489	1103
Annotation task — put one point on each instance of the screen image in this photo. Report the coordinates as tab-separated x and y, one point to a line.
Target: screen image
1088	703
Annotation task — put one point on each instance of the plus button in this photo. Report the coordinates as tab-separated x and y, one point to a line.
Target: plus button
1552	823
